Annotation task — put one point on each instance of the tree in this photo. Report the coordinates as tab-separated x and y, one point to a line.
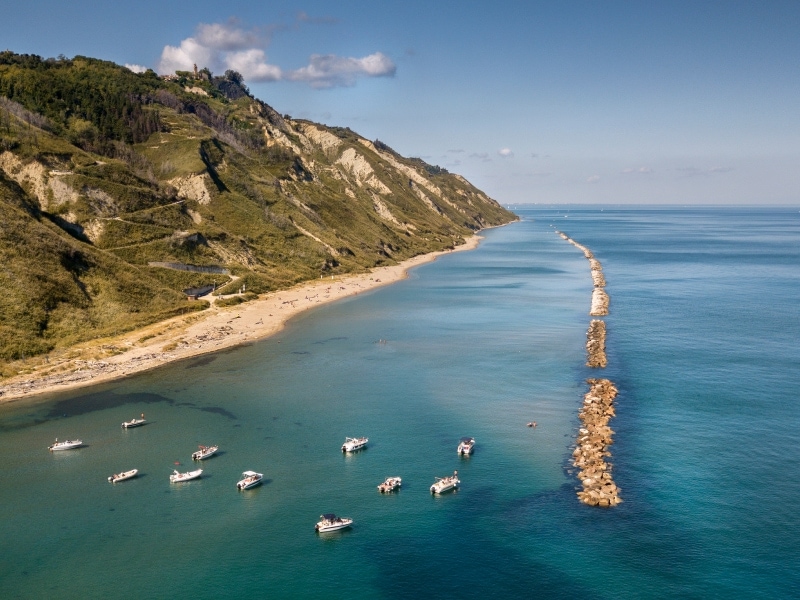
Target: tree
234	76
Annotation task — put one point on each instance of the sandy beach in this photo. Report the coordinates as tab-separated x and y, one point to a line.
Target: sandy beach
195	334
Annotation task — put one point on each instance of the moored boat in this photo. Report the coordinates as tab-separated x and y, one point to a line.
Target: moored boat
330	522
134	422
353	444
390	485
445	484
123	476
249	479
466	445
177	477
204	452
65	445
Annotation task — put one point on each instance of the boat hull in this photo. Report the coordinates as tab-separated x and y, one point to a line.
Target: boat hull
250	479
466	446
247	486
124	476
69	445
333	527
390	485
442	489
181	477
445	485
354	444
202	455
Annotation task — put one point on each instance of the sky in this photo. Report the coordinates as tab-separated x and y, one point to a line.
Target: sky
586	102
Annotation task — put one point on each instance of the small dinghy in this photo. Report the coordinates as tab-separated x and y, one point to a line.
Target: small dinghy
177	477
123	476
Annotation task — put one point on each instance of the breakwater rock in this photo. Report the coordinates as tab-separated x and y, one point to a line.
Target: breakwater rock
591	451
599	307
596	344
594	435
599	303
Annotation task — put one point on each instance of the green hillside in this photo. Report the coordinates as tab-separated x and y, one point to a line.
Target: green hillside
118	191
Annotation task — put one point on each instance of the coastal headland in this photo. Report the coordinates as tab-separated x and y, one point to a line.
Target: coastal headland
212	330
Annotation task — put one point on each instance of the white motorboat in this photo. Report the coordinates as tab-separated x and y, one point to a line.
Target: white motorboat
330	522
134	422
353	444
466	445
390	485
65	445
123	476
249	479
445	484
177	477
204	452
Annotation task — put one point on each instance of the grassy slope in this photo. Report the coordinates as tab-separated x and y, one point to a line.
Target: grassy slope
76	243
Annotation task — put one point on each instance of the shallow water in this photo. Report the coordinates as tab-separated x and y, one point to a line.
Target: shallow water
702	345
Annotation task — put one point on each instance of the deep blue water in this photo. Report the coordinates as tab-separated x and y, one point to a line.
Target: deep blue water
702	344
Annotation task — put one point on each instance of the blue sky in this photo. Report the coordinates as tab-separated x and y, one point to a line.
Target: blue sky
549	102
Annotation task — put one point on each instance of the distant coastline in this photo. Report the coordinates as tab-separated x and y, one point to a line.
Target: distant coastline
210	331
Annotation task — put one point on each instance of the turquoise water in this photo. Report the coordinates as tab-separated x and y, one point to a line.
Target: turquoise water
702	345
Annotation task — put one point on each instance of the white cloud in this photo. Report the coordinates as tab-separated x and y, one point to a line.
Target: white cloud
136	68
640	170
505	152
228	36
593	179
184	57
329	70
252	64
223	46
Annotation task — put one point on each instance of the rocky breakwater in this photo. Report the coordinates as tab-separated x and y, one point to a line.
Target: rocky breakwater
599	307
595	436
596	344
596	335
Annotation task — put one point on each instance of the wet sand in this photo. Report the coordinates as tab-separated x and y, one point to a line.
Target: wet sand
217	328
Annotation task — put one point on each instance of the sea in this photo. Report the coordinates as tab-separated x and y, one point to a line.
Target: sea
702	343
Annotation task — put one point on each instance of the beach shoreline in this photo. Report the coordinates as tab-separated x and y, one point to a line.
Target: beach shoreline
196	334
